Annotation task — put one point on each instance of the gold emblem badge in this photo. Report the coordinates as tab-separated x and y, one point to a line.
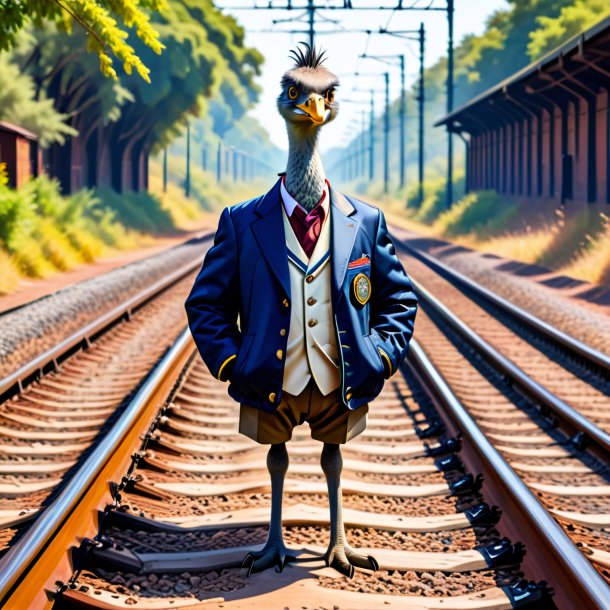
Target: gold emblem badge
362	288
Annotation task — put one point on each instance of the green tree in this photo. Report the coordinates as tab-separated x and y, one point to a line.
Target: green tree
120	122
18	105
98	18
553	31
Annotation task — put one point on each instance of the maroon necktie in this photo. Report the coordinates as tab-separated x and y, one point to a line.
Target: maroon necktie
307	227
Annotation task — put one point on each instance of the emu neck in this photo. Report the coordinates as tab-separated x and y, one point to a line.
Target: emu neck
304	173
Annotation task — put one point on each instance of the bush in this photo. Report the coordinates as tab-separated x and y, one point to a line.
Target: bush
479	212
41	231
9	273
139	211
56	246
29	257
434	200
574	234
435	197
16	212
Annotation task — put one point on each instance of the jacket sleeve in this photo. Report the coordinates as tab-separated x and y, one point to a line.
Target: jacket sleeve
393	302
212	307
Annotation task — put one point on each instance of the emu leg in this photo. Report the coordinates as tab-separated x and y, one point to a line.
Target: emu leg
274	552
339	554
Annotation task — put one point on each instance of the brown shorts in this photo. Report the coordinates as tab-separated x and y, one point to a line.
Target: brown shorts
329	419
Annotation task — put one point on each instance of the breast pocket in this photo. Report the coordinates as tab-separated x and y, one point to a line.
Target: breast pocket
359	289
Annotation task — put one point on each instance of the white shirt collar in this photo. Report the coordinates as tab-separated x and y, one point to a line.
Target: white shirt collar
290	202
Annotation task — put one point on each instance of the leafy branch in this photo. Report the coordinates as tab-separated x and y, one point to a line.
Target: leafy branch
98	18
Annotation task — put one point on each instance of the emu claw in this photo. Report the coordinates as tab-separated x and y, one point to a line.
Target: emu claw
344	559
268	556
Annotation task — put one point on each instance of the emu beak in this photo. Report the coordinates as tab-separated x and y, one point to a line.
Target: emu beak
314	108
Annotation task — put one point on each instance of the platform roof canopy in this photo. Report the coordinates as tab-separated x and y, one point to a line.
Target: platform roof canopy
578	70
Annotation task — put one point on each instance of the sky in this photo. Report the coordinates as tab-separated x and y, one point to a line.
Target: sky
344	48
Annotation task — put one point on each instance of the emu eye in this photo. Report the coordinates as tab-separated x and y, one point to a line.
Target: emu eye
330	96
293	92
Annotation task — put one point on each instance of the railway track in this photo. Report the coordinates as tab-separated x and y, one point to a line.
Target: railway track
57	407
162	512
542	397
193	496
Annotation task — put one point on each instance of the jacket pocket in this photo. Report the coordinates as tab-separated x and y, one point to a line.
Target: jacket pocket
377	362
242	354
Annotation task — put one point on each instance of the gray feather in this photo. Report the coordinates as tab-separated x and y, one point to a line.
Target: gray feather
304	173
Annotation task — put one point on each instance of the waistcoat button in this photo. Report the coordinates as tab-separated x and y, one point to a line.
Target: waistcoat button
312	323
309	279
311	301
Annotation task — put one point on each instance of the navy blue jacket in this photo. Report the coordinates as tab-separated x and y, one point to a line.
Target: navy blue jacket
245	275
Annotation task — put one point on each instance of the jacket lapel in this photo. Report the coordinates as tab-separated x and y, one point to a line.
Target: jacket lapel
344	230
269	233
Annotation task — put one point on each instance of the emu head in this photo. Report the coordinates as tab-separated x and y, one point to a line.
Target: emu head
307	99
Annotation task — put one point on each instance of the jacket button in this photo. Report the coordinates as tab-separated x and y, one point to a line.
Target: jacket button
348	396
309	279
286	303
272	397
311	301
283	332
279	354
312	323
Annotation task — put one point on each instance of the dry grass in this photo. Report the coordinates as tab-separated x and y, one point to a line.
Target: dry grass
577	245
525	247
43	244
56	246
87	245
592	264
407	223
31	260
186	212
9	273
208	197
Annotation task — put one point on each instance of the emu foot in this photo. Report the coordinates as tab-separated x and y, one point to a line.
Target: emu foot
272	554
344	559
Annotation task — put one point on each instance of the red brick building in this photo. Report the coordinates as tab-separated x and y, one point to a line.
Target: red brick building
20	153
545	131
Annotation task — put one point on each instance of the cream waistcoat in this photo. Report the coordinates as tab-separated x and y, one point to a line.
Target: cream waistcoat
312	347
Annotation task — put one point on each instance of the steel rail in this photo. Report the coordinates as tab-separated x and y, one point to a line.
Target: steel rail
566	341
16	381
577	580
30	565
531	387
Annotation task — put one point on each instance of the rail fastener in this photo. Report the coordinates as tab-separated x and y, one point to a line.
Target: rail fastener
30	569
577	423
578	584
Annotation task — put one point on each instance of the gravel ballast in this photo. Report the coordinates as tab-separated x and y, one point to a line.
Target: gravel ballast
35	328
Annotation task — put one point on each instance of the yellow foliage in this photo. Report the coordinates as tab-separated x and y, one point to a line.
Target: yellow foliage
31	260
56	246
526	247
87	245
9	273
106	36
593	263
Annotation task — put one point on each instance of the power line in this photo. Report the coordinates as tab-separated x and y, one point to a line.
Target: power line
388	59
309	17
